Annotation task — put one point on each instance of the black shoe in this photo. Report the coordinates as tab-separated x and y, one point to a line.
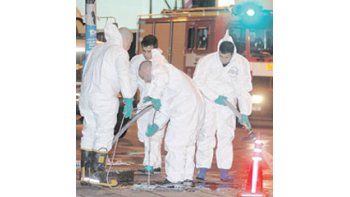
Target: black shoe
99	176
169	185
166	181
188	183
157	170
86	166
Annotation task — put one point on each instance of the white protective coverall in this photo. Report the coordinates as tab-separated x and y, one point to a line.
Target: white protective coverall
106	74
183	106
142	122
232	81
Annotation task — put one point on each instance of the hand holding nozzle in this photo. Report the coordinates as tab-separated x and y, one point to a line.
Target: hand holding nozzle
243	119
155	102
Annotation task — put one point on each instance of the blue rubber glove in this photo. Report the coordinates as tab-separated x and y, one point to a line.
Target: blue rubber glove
156	104
127	111
151	130
221	100
245	121
146	99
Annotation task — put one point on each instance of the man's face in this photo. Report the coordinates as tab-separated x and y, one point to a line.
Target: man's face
147	52
225	58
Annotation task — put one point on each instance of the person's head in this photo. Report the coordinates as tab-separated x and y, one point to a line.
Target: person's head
148	43
226	50
127	37
145	71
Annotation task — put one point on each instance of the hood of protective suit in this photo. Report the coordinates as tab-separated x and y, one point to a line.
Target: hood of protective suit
113	35
157	57
227	37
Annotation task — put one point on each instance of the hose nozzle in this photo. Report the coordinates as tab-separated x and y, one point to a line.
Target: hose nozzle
250	137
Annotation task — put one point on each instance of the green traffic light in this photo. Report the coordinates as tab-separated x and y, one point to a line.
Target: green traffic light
250	12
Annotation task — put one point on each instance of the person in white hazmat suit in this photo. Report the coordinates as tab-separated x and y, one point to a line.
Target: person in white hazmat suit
105	75
153	159
179	103
221	76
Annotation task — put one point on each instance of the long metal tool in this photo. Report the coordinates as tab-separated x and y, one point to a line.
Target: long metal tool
251	134
149	162
125	127
133	120
122	131
149	153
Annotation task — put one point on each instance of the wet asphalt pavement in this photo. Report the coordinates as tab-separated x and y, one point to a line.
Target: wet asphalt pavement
129	156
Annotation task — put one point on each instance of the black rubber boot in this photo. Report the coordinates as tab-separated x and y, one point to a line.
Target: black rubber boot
157	170
99	176
86	166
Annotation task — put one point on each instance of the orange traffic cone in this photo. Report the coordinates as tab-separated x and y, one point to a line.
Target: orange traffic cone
254	187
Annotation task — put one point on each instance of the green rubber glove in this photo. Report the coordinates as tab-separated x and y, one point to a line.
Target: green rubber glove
221	100
127	111
245	121
146	99
156	104
151	130
149	168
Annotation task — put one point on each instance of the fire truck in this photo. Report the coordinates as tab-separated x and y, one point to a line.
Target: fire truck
186	35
